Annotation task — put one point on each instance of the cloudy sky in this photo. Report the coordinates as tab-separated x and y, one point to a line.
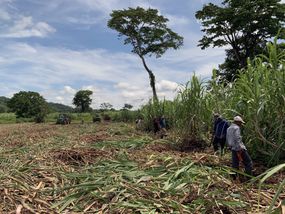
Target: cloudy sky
57	47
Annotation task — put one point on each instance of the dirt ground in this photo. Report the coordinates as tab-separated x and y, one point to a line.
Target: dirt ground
42	165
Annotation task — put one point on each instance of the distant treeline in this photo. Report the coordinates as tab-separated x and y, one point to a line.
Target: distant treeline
54	107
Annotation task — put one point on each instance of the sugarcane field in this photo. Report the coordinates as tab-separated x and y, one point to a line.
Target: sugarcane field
142	107
114	168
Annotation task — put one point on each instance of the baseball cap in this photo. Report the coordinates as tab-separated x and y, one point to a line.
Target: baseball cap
238	119
216	115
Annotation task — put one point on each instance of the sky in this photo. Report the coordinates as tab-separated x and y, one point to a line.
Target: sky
57	47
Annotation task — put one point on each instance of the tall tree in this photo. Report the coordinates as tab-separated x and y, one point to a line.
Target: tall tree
148	34
82	100
243	25
106	106
28	104
127	106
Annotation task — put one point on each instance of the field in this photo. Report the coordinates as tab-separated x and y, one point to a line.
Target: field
52	117
112	168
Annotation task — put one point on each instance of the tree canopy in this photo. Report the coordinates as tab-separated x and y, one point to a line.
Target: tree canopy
28	104
127	106
3	104
147	32
82	100
245	26
106	106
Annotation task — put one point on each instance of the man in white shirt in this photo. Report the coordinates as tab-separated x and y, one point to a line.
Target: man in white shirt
239	151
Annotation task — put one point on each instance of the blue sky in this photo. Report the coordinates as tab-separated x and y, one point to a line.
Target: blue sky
58	47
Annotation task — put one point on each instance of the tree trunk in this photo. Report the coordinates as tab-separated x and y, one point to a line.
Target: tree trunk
151	79
82	108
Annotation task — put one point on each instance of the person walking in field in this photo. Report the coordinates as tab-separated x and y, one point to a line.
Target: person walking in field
239	151
139	123
156	125
162	123
219	133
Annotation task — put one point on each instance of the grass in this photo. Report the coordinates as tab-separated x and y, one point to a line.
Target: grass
112	168
7	118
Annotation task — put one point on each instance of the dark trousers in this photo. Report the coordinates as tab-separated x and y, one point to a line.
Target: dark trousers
219	142
245	159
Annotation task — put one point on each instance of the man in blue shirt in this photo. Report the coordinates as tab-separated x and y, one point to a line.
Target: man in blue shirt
219	133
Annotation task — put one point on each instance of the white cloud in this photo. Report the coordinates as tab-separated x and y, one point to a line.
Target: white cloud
68	90
92	88
83	20
4	15
166	85
59	99
126	86
25	27
175	21
116	78
205	71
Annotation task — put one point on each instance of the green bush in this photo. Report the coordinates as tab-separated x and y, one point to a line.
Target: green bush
7	118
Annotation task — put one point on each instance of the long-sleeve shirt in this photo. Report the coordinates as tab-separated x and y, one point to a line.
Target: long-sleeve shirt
220	128
234	139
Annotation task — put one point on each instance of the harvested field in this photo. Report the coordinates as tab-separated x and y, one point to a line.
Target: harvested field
111	168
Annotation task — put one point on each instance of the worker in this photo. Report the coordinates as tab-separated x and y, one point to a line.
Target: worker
219	133
239	151
162	123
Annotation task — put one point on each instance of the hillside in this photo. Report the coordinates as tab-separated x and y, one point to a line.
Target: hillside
55	107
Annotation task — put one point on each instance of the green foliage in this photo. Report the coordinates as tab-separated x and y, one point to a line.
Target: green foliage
157	109
78	117
96	118
193	113
3	108
105	106
82	100
3	104
261	92
127	106
75	117
57	107
7	118
29	105
244	25
257	95
54	107
147	32
125	115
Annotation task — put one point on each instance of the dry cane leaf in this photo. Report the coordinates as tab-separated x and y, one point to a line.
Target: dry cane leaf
39	185
19	208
